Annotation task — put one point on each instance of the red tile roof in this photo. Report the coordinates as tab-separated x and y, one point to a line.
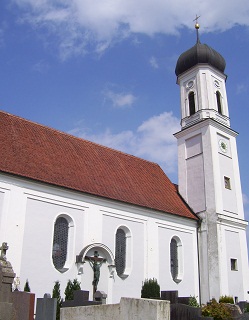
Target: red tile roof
34	151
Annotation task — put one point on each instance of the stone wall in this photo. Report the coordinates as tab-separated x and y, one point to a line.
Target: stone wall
127	309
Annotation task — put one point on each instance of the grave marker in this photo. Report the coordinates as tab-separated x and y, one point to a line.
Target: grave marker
7	275
46	308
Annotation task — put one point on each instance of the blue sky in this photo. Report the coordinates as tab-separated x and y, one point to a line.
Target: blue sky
104	69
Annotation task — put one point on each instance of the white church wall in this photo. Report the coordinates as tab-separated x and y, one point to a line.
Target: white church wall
135	265
38	242
235	280
237	181
2	201
29	211
233	260
188	264
196	183
13	220
233	246
229	200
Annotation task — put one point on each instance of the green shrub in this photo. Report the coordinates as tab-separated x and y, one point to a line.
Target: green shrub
193	302
150	289
26	287
218	311
226	299
70	288
57	294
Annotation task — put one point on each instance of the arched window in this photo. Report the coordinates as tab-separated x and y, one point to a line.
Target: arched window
191	102
60	242
120	251
218	99
176	259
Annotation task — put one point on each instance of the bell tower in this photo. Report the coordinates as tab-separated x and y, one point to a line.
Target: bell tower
208	173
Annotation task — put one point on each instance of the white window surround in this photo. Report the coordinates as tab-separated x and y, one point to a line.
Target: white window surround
70	242
179	276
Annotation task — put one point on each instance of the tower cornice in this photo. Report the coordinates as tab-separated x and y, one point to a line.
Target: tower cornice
204	123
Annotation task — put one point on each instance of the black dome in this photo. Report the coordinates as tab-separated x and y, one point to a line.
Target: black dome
199	53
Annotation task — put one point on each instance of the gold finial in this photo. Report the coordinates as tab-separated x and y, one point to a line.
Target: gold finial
197	27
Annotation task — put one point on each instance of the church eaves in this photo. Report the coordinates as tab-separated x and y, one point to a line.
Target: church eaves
34	151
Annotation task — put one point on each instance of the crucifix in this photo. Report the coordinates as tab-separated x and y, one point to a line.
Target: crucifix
95	263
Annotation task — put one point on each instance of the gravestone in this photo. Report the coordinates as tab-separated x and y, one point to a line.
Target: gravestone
80	299
234	309
183	300
171	296
7	275
46	308
243	305
24	304
180	311
100	296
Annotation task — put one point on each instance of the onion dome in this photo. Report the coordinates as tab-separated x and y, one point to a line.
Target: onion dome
199	53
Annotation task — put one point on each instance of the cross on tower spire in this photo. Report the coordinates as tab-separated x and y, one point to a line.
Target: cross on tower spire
197	27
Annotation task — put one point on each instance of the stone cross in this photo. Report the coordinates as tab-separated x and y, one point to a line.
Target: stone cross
7	276
4	249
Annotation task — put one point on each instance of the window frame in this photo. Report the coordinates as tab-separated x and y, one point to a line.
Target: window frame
191	103
69	245
219	102
177	275
234	264
227	183
127	267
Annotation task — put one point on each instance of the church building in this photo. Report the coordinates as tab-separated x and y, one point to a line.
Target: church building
70	208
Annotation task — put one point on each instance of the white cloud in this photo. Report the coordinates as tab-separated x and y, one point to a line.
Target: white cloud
154	63
153	140
87	25
120	100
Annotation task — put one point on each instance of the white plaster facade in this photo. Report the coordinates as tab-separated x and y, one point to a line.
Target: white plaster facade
29	209
209	181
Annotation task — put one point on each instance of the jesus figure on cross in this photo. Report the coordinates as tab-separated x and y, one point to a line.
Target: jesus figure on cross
96	263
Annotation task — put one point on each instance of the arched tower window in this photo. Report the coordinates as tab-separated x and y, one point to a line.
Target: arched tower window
191	102
120	251
176	259
60	242
218	99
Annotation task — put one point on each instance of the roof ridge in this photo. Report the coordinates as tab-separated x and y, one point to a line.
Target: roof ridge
78	138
